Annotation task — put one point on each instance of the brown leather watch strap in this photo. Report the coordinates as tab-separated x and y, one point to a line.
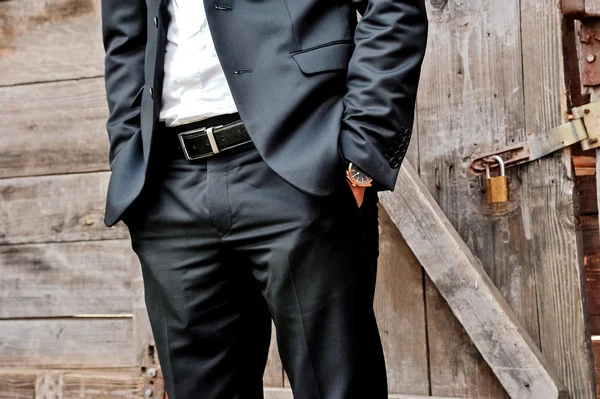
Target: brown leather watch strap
359	194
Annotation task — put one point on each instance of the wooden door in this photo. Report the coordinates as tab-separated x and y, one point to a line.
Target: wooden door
72	319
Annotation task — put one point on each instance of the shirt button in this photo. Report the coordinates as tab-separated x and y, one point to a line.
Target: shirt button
156	21
151	93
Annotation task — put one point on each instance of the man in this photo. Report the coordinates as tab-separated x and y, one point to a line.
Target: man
248	140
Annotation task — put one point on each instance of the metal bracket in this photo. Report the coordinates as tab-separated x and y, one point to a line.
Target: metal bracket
572	7
577	8
590	49
583	128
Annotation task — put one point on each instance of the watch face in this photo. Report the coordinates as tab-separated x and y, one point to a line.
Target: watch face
358	175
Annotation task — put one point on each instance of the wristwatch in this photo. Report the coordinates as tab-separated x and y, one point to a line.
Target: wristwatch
357	177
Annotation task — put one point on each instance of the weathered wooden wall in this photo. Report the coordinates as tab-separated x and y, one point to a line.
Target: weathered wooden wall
590	223
72	320
494	77
70	292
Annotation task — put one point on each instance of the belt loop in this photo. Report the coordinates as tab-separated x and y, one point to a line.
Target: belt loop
211	140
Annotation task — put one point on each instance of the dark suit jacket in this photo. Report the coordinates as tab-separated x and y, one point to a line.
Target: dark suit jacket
313	86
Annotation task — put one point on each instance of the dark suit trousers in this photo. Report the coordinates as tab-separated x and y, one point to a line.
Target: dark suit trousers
225	246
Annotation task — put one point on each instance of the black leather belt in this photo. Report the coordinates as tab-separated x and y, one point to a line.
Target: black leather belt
196	142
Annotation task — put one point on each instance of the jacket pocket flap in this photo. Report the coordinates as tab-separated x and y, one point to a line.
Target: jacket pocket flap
328	57
137	100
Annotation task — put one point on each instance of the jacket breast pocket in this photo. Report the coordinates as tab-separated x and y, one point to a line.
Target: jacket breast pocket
330	56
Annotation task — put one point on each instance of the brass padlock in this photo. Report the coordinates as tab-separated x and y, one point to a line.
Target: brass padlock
496	188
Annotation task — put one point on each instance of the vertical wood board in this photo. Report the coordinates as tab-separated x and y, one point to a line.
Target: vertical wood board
470	101
474	299
400	312
549	205
596	350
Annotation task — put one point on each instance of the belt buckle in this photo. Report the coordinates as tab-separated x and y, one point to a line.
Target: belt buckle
211	139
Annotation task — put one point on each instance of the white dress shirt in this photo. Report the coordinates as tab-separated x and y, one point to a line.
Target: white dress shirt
194	85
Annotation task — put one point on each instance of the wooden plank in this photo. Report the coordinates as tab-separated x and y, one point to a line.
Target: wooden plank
67	343
585	166
55	209
145	347
282	393
595	329
400	311
455	362
593	259
49	40
475	301
273	376
470	101
596	350
49	280
590	234
547	206
593	298
17	385
53	128
588	200
576	96
49	385
53	384
590	231
103	385
592	7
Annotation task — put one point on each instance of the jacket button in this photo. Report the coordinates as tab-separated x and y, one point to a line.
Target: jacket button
151	93
394	162
156	21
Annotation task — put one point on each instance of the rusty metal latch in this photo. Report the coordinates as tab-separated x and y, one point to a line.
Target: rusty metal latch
578	8
584	128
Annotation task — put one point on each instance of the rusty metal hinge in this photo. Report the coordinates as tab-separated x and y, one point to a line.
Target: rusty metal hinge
584	128
590	52
572	7
577	8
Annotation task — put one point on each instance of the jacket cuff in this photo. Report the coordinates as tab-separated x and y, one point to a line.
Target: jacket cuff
371	161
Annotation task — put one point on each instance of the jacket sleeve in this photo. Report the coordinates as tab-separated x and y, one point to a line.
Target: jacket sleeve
383	75
124	37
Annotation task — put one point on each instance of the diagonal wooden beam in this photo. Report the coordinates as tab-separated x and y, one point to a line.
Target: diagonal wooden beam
459	276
